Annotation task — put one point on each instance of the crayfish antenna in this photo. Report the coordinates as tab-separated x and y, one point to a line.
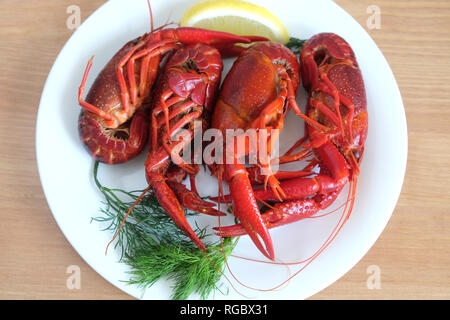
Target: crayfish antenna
138	200
151	15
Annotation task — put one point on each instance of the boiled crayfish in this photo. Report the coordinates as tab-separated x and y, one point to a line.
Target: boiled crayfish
336	128
185	92
256	94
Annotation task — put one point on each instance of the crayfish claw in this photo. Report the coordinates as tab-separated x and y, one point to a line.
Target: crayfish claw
192	201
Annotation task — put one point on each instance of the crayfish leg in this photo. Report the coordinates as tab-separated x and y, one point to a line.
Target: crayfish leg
281	214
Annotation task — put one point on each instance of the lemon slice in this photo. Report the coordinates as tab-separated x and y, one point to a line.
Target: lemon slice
237	17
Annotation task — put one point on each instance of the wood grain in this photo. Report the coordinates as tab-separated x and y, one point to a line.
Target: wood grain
413	252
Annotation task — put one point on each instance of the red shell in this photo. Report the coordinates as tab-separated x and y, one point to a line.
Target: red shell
252	83
111	145
331	54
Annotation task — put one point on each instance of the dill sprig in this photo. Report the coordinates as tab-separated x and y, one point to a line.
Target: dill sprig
155	248
188	268
295	45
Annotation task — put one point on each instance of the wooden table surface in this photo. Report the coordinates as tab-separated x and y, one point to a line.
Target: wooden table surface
412	254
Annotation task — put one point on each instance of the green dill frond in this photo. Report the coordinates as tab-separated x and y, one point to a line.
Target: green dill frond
155	248
295	45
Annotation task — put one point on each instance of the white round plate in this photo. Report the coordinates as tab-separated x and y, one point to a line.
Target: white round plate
65	167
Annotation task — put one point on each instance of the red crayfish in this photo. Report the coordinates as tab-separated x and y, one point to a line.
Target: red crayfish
186	92
256	94
336	124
